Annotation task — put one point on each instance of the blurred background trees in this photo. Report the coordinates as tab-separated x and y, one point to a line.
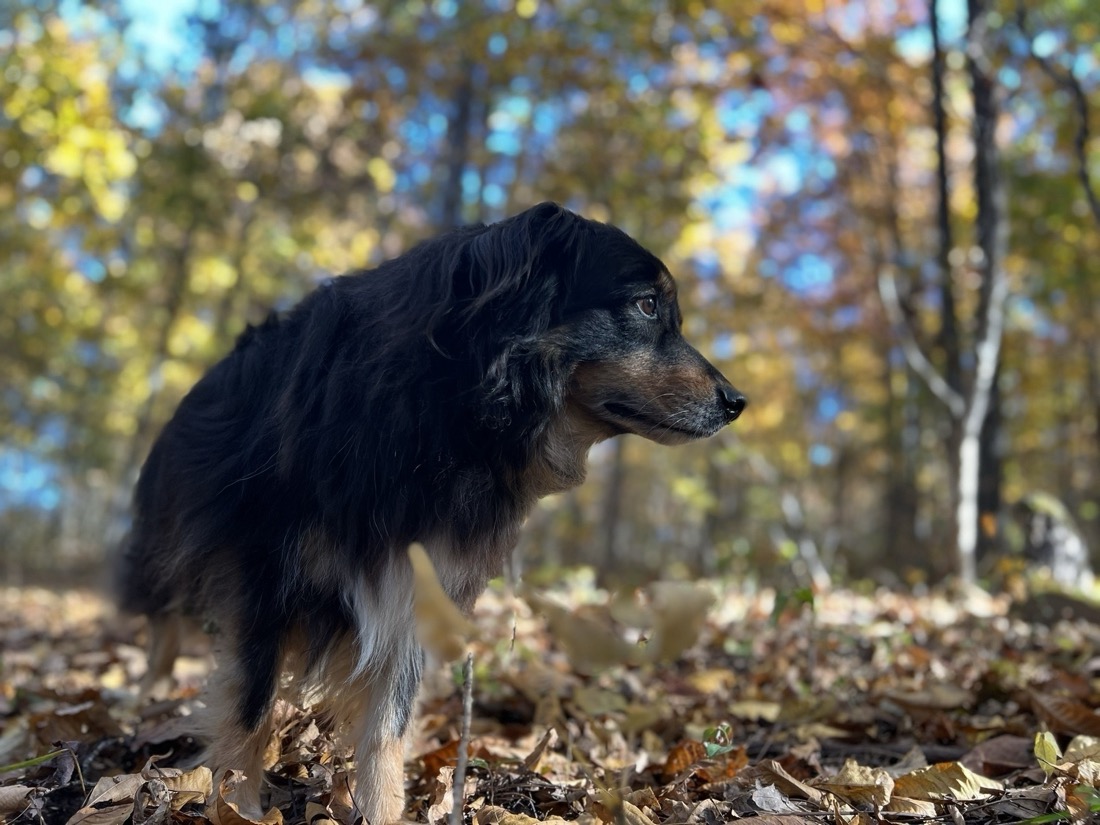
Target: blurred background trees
883	229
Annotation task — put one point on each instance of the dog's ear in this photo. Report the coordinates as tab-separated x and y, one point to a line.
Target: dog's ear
519	272
519	268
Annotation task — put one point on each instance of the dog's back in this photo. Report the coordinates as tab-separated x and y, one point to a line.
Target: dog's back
433	399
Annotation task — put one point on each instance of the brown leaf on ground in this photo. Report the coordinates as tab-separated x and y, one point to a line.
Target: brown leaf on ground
774	773
592	646
679	611
440	625
1000	755
945	781
226	809
682	756
1065	715
499	816
859	785
782	721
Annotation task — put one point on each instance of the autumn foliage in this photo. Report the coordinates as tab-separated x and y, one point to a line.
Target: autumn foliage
862	707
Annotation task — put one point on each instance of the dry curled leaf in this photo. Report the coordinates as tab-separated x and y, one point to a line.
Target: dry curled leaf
111	801
440	625
682	756
591	645
614	810
945	781
226	809
1064	715
491	815
1000	755
860	785
772	772
1081	748
15	799
679	611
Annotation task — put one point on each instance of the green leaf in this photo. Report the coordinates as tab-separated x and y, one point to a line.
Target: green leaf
1047	752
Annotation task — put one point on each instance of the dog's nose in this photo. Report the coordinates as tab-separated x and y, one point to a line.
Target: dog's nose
733	403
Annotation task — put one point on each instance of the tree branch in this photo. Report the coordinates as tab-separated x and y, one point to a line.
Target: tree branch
1068	81
914	355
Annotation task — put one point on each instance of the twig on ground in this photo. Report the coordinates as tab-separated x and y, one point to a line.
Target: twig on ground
463	741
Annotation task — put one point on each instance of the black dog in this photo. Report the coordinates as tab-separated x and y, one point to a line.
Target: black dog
434	400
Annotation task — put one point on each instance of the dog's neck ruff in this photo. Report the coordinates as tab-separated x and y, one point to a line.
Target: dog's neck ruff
560	459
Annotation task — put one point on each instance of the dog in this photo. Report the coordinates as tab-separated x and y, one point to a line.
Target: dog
433	399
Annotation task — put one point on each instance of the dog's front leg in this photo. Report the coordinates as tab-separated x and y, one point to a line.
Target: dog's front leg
380	737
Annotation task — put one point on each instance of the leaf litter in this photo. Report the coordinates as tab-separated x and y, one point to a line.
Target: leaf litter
677	703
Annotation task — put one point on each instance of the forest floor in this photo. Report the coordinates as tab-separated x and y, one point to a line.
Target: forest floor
676	704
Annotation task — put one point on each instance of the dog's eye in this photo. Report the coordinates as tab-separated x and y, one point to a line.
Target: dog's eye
647	306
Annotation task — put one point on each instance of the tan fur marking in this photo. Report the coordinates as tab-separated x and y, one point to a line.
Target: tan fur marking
231	746
165	631
561	459
319	564
380	781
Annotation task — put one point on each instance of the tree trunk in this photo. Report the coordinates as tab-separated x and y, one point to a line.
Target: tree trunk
458	148
948	338
991	473
992	241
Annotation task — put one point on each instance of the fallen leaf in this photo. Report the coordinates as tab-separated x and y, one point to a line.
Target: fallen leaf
491	815
773	772
440	625
1047	752
936	696
226	808
1024	803
682	756
1081	748
860	785
198	781
903	805
679	610
1065	715
752	709
592	647
1000	755
15	798
548	740
712	680
443	798
615	810
913	760
944	781
770	799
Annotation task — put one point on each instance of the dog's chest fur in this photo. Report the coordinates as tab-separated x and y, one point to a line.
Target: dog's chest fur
380	606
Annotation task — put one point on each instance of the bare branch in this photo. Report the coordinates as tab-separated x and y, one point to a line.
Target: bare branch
914	355
1068	81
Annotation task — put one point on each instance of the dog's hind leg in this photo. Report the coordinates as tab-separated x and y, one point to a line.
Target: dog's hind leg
383	714
165	631
239	702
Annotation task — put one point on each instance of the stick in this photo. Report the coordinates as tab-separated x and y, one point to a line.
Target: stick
464	740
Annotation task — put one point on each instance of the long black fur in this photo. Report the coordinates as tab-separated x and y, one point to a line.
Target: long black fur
389	405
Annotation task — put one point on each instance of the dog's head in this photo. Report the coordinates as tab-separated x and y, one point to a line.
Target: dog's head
580	317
